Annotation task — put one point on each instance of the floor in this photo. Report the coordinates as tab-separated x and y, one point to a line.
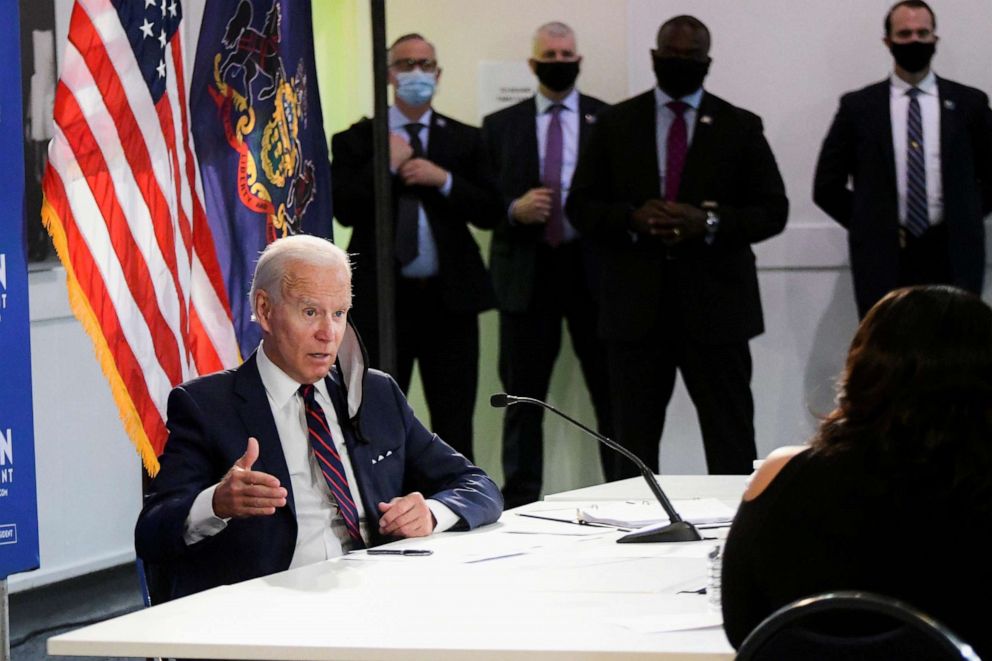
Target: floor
36	615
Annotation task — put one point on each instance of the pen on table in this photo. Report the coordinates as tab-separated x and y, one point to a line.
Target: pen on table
413	552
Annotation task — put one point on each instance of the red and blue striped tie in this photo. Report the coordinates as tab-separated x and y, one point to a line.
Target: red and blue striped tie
330	462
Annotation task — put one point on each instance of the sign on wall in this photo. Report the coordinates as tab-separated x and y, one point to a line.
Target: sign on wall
18	496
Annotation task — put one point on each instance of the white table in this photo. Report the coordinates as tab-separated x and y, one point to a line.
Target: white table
537	589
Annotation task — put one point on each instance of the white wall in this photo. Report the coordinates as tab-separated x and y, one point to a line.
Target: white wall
787	60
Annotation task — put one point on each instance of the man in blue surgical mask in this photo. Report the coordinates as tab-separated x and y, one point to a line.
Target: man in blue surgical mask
442	183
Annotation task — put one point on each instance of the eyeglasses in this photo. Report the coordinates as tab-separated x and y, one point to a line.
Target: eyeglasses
409	64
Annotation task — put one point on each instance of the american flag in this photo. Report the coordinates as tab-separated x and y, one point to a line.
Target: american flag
123	205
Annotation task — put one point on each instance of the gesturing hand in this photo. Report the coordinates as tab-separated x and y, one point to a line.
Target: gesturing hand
408	516
244	492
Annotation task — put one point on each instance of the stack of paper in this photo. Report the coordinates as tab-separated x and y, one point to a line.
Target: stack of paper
637	514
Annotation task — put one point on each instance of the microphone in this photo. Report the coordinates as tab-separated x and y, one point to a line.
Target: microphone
677	530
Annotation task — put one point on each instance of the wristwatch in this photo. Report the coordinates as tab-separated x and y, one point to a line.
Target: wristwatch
712	225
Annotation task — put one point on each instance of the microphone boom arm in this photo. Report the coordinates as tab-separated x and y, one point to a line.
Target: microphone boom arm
677	530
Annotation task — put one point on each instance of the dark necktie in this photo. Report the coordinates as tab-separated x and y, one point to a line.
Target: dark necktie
408	207
554	230
675	149
917	210
330	462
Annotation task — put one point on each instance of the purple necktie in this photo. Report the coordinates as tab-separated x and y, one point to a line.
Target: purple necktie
330	462
554	231
675	150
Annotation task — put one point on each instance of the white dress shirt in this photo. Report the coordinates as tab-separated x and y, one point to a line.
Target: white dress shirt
930	115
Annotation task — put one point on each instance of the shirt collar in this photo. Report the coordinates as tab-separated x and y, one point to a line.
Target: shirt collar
571	102
692	100
397	120
928	85
279	386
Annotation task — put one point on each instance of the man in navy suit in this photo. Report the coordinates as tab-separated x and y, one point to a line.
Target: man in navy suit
674	186
289	460
542	270
918	150
441	184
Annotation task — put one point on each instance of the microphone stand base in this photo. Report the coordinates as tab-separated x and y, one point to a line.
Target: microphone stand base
683	531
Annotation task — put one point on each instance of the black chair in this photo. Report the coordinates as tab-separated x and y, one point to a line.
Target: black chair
851	625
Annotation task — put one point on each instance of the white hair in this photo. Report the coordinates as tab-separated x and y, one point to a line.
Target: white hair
274	262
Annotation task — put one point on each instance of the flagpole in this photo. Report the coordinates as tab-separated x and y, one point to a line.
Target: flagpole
385	259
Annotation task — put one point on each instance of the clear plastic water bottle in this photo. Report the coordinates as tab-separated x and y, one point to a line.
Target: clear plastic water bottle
715	558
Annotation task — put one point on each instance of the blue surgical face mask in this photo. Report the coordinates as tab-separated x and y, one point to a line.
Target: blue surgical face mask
415	87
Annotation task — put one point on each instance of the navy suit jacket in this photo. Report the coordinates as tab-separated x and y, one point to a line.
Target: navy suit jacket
715	287
510	135
210	420
858	148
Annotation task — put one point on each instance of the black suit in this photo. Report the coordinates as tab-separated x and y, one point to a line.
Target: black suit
692	307
436	318
859	147
537	286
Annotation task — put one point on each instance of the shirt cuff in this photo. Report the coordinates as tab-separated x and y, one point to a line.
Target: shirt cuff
446	519
446	188
201	522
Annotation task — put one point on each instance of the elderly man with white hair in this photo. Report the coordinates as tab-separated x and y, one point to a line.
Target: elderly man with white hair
300	454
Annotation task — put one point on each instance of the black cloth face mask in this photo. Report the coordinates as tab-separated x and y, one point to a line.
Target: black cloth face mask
557	76
913	56
679	76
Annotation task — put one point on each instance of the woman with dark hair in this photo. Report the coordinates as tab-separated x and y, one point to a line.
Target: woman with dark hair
894	493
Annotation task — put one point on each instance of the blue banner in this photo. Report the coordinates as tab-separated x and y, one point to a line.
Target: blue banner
259	137
18	497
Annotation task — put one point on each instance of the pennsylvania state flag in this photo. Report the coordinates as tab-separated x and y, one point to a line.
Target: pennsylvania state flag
259	137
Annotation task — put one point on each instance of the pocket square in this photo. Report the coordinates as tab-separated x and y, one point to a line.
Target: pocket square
381	457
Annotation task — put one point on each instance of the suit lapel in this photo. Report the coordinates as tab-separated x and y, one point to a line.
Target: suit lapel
947	104
438	147
880	117
256	414
587	117
643	155
528	141
703	132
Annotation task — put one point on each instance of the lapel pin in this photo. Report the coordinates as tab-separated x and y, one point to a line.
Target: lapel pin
590	118
441	122
705	119
948	104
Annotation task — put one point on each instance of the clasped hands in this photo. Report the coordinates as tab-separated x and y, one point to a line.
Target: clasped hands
413	171
672	222
244	492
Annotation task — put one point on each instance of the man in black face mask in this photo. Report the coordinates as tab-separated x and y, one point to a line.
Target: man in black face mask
674	186
918	150
541	269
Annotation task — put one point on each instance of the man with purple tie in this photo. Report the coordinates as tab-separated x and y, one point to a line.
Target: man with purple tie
674	186
542	269
300	454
